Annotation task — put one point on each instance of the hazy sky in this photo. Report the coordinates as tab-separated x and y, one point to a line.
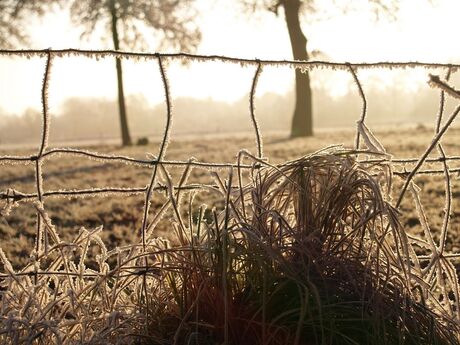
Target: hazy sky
422	32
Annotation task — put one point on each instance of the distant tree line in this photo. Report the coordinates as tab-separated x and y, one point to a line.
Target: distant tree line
172	26
92	118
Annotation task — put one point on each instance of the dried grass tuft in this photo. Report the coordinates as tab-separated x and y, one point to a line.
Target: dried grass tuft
311	252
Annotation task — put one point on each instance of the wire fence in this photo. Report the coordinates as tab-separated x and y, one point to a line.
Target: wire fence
363	138
15	196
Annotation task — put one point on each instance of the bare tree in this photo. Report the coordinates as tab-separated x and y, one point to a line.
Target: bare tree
13	17
294	11
171	21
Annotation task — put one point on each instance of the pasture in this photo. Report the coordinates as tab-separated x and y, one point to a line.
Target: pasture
235	239
121	215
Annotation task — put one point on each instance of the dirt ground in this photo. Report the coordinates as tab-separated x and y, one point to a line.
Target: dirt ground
121	215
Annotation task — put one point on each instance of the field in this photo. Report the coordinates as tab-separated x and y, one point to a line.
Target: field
121	215
343	279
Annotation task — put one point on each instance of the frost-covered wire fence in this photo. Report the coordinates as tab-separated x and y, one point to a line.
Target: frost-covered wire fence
159	164
43	152
15	196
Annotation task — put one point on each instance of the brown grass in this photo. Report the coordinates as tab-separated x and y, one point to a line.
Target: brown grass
121	215
309	252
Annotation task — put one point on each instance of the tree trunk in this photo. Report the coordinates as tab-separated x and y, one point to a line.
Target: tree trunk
125	136
302	122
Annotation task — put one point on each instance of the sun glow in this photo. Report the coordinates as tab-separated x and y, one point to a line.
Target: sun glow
420	35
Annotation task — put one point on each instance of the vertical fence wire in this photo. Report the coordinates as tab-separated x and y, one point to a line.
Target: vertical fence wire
150	187
41	232
364	103
252	108
442	154
162	151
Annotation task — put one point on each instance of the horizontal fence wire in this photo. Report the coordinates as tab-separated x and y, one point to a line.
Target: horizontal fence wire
410	166
310	64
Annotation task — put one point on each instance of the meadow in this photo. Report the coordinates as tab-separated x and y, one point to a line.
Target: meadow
121	214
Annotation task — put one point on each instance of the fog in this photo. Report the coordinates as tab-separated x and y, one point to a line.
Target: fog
97	118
